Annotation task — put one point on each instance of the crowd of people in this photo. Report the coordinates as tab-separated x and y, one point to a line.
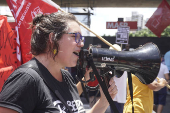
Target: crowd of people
43	85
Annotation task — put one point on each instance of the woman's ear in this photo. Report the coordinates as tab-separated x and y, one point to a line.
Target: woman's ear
51	35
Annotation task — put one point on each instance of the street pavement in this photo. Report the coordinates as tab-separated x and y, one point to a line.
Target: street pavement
166	108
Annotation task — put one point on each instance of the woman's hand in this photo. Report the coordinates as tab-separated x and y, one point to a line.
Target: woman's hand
85	78
87	74
112	90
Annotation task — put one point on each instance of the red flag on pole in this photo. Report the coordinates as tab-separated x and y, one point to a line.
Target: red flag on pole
160	19
24	11
8	58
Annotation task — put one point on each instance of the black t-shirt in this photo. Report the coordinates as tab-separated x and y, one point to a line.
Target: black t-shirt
26	92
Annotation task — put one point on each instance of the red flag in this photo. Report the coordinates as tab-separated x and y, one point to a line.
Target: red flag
160	19
8	57
24	11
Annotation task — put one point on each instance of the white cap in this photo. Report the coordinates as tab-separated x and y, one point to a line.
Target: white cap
116	46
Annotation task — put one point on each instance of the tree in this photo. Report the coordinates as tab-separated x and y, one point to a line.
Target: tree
148	33
166	32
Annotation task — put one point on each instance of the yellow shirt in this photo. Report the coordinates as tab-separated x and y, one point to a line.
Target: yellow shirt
142	98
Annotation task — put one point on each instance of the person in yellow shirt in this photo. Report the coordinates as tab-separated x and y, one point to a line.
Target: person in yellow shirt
142	95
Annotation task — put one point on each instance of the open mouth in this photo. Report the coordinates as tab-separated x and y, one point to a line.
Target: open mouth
76	53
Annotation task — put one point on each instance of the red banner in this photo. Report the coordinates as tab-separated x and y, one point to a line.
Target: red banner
115	25
8	57
12	24
160	19
24	11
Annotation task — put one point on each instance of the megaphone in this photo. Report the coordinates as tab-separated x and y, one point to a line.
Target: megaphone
143	62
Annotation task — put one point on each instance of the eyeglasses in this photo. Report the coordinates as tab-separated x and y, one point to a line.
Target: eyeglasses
78	37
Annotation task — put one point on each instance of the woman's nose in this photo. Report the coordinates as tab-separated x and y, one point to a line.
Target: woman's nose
81	44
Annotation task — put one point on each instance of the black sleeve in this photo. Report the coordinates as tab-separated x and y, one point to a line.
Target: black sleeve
19	92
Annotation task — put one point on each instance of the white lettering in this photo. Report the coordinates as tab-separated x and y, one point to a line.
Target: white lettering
60	105
116	25
76	106
121	24
109	25
108	59
23	15
36	11
125	24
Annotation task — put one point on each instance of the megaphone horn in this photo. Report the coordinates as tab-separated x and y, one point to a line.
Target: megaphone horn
144	62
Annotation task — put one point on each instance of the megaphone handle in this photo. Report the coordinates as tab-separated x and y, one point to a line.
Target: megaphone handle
107	79
166	85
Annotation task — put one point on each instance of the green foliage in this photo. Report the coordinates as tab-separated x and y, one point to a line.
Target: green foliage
104	35
148	33
142	33
166	32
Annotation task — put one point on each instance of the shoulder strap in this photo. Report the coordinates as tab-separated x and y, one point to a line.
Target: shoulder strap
130	89
50	86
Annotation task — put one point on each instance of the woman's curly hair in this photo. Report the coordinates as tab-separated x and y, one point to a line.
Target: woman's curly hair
44	24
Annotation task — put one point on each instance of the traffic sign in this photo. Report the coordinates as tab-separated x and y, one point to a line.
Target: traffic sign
122	36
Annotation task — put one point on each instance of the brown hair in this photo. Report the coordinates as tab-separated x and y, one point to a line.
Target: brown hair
44	24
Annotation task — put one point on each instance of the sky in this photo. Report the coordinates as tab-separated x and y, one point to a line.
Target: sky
103	15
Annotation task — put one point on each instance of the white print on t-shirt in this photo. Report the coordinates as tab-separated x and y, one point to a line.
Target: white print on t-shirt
76	106
60	106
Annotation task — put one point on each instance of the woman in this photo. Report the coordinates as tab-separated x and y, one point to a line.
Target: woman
41	85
